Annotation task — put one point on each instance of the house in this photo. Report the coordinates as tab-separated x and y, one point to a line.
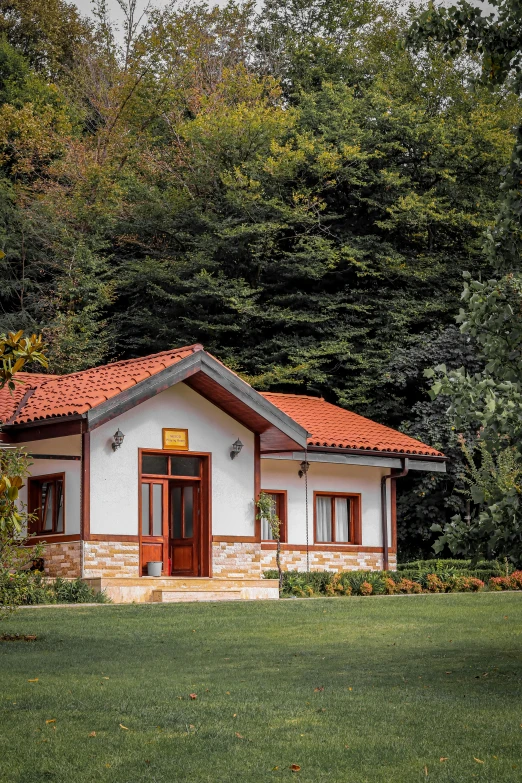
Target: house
160	459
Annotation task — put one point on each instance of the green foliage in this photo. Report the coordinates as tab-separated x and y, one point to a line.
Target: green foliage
287	186
444	576
489	401
25	588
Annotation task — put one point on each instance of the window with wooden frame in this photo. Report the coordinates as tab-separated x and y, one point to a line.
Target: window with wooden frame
278	500
337	518
46	496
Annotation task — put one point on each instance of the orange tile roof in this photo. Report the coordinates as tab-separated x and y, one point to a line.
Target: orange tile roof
334	427
10	400
52	396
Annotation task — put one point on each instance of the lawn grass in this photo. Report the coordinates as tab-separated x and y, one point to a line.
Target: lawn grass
355	690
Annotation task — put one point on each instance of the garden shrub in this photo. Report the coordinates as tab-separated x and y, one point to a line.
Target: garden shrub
32	588
434	584
328	583
512	582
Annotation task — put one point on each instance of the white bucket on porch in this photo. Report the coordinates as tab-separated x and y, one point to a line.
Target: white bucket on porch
154	567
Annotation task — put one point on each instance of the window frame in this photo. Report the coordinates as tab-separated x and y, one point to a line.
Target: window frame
355	527
281	511
33	498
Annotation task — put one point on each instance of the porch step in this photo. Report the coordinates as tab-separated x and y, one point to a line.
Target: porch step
171	589
175	596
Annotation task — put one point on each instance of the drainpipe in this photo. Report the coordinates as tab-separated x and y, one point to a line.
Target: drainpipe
384	511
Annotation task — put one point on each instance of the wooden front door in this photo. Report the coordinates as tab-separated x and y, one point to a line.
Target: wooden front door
184	522
175	522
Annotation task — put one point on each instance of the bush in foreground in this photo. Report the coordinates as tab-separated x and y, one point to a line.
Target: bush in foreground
32	587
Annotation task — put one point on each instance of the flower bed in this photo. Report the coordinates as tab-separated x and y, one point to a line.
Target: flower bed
406	581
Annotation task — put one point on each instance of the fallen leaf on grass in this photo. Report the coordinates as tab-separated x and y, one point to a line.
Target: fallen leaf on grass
316	690
295	767
239	736
193	695
274	769
106	678
35	680
51	720
444	758
124	727
92	734
479	761
426	771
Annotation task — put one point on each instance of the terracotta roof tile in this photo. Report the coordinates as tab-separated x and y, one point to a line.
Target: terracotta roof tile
334	427
10	400
51	396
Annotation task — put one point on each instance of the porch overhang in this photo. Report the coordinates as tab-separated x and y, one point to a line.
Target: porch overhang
368	458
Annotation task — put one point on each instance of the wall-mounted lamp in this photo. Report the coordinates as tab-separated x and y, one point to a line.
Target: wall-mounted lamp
236	448
118	439
303	468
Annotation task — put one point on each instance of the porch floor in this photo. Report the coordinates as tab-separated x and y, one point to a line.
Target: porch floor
170	589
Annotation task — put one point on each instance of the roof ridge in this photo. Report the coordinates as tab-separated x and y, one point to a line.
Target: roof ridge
195	347
299	396
28	393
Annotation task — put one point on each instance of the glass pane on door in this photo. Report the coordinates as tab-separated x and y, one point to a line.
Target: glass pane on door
155	464
184	466
145	508
175	502
189	512
157	509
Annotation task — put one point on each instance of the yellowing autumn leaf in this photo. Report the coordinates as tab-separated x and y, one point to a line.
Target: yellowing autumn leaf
51	720
35	680
479	761
92	734
239	736
444	758
124	727
295	767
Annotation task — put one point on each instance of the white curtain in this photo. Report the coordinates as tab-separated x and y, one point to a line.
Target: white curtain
342	519
323	518
266	530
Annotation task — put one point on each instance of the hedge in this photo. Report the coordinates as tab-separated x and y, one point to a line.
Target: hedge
32	587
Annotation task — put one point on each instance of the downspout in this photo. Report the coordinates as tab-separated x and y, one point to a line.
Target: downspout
384	512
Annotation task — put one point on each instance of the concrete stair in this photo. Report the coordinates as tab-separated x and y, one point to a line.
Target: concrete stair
172	589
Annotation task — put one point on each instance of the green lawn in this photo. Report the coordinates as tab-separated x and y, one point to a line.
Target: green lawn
351	690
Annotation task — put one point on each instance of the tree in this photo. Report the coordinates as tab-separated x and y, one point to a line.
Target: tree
15	352
488	402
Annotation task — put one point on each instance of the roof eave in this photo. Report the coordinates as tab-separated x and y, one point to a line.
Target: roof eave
379	452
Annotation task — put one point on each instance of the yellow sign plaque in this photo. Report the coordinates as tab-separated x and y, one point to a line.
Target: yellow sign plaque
175	439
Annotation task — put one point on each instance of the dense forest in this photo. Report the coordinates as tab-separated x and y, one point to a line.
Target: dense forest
287	184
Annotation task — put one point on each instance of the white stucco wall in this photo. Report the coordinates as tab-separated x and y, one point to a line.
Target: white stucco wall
70	445
114	474
327	477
